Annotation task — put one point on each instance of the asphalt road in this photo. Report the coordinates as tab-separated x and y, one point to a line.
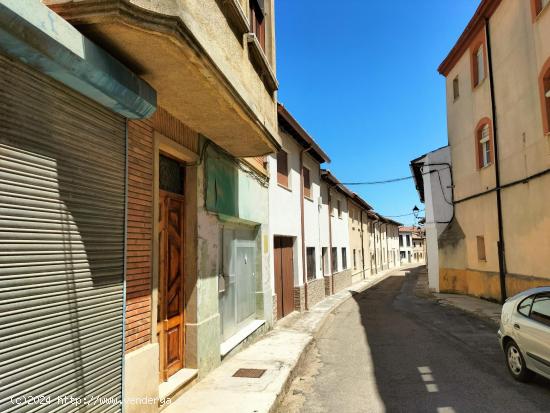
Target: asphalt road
391	349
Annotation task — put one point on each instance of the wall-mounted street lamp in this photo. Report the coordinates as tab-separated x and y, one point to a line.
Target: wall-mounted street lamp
416	211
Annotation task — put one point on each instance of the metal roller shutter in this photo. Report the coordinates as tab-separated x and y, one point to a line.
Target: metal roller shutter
62	212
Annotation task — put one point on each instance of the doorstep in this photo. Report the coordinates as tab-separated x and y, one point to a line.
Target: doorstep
238	338
176	382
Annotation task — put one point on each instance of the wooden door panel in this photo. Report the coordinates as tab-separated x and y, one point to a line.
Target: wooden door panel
278	276
171	292
288	276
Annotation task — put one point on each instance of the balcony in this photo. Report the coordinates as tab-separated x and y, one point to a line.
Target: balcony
196	55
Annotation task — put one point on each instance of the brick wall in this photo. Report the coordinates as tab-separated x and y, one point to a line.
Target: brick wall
140	222
328	285
342	280
299	298
315	291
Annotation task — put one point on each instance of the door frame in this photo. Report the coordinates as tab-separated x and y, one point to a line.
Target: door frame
163	145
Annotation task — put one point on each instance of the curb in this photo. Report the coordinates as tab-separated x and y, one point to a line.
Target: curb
446	303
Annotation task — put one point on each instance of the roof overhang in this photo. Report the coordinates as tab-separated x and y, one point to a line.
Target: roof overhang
291	125
416	169
36	36
328	177
477	22
361	202
156	40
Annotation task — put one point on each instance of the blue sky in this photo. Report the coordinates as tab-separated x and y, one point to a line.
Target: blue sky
362	80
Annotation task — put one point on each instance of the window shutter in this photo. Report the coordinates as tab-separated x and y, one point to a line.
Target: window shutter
480	65
456	90
307	183
282	168
481	256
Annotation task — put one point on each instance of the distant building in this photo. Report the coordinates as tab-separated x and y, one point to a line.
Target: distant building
412	245
358	236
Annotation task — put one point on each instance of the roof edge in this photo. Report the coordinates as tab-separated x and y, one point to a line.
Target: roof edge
299	130
485	10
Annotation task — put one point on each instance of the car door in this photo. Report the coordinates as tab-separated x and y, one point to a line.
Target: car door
535	333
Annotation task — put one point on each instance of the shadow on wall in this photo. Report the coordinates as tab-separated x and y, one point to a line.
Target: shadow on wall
62	232
425	359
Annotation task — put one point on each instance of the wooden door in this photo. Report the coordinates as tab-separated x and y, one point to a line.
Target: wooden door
284	275
171	303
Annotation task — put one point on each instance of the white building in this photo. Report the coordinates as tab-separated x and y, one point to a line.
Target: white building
298	219
432	175
412	245
383	243
340	255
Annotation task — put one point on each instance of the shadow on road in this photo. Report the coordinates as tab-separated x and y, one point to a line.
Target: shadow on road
429	358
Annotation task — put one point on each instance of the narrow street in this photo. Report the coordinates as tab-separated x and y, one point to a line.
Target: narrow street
393	349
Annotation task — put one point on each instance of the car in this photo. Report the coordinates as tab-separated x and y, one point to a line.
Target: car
524	333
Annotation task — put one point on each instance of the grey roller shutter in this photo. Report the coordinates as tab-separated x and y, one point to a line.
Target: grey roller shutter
62	212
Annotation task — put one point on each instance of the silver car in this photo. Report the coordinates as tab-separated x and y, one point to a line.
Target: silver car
525	333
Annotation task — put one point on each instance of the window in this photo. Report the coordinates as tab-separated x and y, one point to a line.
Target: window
354	260
525	306
478	65
484	143
307	183
485	147
310	261
481	248
408	240
402	254
171	175
540	311
324	259
339	208
257	22
334	259
401	241
456	89
344	259
282	168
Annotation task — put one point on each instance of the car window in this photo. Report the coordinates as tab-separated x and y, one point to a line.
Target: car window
525	306
541	309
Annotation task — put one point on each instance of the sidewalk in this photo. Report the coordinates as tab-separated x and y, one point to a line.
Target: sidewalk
279	352
476	306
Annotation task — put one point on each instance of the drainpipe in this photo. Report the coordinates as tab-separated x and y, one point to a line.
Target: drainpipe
362	242
500	244
304	275
330	237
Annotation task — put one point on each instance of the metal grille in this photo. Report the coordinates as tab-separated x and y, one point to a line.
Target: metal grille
250	373
62	185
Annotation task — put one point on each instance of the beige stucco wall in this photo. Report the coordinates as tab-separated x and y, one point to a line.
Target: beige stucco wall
188	51
519	49
357	242
210	26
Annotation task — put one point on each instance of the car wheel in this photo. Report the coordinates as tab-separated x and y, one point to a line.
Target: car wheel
516	363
